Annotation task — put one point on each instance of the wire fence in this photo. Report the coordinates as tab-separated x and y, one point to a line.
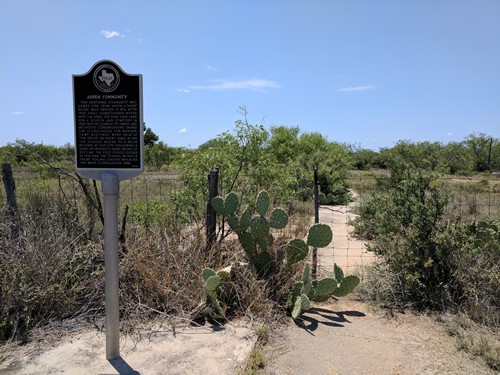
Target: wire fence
470	199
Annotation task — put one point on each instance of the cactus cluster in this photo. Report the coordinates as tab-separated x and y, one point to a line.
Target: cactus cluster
253	230
325	199
212	282
308	290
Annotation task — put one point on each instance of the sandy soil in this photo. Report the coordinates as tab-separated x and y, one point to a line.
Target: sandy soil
190	350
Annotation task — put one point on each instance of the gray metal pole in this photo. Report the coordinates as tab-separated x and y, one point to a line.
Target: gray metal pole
110	189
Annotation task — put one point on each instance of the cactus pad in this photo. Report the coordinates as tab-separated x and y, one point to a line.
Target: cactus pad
323	289
233	222
260	226
338	273
248	243
207	273
231	203
262	203
346	286
306	282
224	273
218	205
295	251
320	235
278	218
265	242
245	219
301	304
212	283
264	263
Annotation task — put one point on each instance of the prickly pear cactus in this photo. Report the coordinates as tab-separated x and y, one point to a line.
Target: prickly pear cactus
213	281
320	235
319	290
346	284
253	230
325	199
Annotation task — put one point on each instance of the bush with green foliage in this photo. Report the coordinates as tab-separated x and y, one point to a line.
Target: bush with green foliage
429	262
403	217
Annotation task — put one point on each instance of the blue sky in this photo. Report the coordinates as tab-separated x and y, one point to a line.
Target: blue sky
365	72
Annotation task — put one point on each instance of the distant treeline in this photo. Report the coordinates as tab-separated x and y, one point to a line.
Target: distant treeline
477	153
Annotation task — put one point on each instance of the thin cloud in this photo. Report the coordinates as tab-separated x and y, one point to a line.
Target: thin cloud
211	68
183	130
449	134
249	84
184	91
17	113
108	34
356	88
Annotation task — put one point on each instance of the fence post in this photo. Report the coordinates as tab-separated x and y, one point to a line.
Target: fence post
213	178
10	190
314	271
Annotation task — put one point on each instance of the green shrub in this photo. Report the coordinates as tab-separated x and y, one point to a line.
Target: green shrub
403	217
428	261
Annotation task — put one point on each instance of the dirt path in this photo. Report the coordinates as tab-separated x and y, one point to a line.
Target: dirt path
349	337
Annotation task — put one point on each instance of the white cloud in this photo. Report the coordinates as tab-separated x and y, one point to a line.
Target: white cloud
356	88
249	84
111	34
18	113
211	68
184	91
449	134
183	130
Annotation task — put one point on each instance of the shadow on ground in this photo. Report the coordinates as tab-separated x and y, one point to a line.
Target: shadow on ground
315	316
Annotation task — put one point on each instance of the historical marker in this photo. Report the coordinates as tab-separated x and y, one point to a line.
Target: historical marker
108	121
109	147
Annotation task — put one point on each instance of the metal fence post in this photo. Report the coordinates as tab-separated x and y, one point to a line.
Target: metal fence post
314	270
110	189
211	223
10	190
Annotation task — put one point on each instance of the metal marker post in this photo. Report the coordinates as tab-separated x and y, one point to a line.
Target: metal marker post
109	146
110	190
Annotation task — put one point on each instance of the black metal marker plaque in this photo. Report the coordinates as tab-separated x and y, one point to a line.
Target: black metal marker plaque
108	121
